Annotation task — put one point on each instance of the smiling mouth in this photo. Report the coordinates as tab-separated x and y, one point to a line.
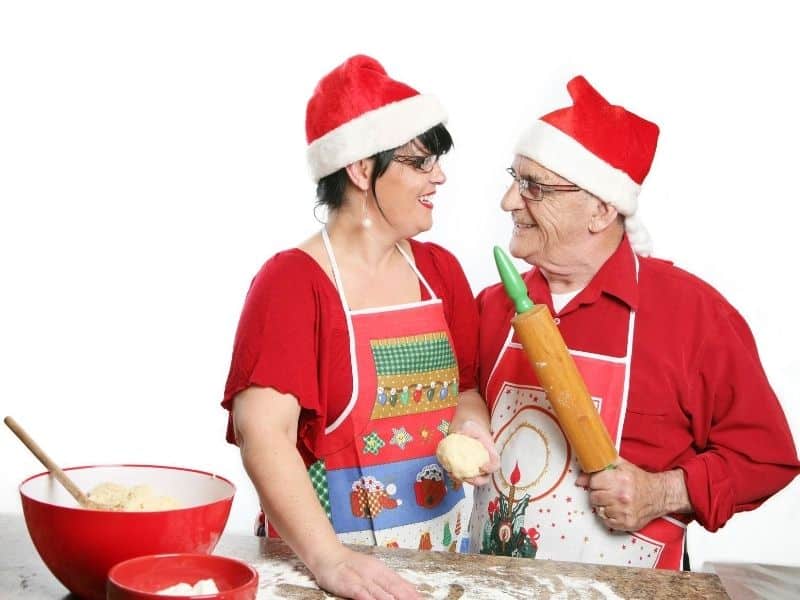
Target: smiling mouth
524	226
426	201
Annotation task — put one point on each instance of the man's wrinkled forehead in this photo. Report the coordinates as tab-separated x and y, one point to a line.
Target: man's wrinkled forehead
530	169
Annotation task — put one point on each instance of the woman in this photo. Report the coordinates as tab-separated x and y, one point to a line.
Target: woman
354	348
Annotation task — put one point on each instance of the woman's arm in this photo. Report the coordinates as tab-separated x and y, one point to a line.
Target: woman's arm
265	423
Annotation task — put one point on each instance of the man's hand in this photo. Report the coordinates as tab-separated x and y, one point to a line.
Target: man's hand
350	574
627	498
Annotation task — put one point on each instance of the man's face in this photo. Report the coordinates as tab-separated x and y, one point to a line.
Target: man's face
551	231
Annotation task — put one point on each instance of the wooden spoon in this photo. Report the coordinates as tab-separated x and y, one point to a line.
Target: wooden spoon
54	469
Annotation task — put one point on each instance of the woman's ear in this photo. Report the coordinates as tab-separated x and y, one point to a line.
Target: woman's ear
603	216
359	173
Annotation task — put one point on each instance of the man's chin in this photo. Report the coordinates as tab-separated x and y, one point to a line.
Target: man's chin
522	251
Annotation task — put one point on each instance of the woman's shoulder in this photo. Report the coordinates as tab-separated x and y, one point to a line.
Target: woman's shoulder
291	270
289	264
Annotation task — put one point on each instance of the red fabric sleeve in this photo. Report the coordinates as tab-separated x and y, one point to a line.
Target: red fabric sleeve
460	308
275	344
746	448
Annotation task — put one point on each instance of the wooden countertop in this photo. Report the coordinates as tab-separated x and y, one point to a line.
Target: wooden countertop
438	575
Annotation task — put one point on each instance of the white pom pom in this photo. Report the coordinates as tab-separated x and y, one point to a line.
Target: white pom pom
638	236
391	489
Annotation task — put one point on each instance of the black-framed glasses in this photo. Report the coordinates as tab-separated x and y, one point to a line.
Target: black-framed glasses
534	192
423	162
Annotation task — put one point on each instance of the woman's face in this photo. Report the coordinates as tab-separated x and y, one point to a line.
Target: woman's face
550	231
406	190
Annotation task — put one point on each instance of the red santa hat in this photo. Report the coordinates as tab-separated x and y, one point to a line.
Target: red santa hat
600	147
357	110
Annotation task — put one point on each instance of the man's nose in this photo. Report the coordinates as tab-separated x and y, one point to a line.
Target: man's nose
511	199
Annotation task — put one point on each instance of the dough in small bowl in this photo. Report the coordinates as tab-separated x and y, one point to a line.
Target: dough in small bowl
462	456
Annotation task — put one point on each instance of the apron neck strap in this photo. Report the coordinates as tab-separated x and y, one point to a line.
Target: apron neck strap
337	276
417	271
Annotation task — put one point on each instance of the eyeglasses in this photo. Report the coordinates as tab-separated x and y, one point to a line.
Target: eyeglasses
424	163
534	192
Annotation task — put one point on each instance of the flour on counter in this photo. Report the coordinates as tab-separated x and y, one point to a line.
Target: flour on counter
584	585
287	578
276	572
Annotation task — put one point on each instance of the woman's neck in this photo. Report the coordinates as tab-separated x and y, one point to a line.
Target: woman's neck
371	247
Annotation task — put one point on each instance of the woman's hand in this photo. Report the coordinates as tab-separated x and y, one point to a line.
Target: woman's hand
627	498
351	574
474	430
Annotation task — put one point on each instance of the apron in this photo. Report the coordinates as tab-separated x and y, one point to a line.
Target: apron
378	478
531	507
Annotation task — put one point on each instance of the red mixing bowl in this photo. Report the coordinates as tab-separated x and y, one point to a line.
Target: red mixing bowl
139	578
80	546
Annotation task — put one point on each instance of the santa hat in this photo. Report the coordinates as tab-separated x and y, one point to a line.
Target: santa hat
600	147
357	110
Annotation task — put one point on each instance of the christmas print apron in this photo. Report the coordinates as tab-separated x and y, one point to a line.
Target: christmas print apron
378	478
531	507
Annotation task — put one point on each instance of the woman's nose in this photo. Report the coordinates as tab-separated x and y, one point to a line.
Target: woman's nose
437	175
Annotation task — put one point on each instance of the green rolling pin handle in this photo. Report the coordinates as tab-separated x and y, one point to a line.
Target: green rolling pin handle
512	282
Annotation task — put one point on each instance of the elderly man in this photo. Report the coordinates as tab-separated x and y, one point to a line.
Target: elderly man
671	366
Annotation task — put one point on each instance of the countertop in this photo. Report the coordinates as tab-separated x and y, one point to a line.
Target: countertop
439	575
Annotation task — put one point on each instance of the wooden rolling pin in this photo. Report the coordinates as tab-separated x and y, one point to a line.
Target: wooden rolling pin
557	373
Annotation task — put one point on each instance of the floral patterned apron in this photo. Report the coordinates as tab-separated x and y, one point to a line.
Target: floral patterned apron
378	478
531	507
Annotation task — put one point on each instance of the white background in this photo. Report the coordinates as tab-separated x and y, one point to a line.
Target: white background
152	158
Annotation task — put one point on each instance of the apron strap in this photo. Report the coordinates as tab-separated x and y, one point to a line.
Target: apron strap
628	355
350	335
417	271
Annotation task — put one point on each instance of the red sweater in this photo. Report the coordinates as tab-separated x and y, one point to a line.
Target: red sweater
292	334
699	398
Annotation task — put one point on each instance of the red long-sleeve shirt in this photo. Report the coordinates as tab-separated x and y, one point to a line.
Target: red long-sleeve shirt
699	398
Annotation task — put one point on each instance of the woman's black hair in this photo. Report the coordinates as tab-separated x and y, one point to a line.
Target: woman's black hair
330	189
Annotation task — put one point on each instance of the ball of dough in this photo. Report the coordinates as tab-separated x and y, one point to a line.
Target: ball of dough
462	455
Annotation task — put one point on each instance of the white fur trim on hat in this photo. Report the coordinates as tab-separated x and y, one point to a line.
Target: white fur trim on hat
562	154
387	127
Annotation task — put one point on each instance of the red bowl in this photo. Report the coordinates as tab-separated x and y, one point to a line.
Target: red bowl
139	578
79	545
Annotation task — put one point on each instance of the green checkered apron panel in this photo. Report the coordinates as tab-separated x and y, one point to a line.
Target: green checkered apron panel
415	354
319	480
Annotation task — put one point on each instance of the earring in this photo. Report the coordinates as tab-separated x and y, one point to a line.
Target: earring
366	222
316	216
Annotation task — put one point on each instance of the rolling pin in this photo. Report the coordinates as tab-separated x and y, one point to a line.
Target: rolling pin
557	373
